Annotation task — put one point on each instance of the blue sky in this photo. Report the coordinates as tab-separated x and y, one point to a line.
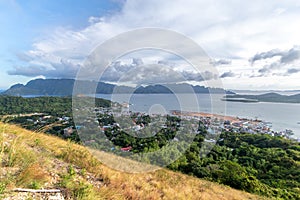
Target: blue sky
24	22
254	45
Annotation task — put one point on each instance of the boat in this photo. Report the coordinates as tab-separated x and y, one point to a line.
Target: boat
244	100
289	132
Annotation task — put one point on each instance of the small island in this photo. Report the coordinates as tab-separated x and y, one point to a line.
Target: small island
268	97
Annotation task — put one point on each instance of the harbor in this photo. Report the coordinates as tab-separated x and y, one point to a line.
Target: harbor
235	124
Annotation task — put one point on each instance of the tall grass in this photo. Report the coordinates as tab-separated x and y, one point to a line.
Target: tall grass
30	153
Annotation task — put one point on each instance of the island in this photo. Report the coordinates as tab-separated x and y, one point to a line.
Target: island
268	97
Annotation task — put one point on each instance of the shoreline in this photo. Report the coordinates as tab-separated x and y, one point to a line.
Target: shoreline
252	125
212	115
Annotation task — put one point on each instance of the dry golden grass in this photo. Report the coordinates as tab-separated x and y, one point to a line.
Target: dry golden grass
33	176
41	149
165	184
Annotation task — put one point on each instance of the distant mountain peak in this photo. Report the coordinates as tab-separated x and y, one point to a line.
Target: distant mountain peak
18	85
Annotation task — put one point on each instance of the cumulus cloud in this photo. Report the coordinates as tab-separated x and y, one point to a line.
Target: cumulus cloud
118	69
290	56
137	61
265	55
283	62
221	62
268	69
288	72
93	20
62	69
199	76
231	30
292	71
286	56
151	74
156	73
227	74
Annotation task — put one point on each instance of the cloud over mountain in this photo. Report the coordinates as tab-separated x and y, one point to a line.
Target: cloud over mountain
156	73
62	69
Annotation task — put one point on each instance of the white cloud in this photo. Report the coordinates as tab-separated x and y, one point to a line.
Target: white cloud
62	69
277	62
139	72
221	62
227	74
231	30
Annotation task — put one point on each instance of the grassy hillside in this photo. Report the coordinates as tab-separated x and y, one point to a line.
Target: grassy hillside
35	160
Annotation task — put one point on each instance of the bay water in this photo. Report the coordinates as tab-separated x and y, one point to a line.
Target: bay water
281	115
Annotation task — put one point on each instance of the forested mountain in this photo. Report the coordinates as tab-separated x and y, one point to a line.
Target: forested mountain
64	87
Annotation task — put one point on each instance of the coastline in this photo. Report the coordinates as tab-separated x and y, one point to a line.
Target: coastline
237	124
211	115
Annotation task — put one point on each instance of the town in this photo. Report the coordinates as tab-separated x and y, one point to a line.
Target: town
112	118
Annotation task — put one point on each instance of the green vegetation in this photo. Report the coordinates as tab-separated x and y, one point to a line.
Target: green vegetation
258	164
55	163
77	189
55	106
255	163
43	114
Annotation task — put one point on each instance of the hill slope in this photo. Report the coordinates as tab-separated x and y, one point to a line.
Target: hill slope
36	160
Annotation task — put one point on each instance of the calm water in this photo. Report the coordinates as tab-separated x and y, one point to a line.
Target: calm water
281	115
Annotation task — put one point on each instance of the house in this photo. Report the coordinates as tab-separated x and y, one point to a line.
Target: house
210	140
66	118
68	131
46	117
136	128
126	148
227	122
106	127
78	127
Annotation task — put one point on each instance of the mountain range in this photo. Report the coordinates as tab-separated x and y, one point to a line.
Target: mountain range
64	87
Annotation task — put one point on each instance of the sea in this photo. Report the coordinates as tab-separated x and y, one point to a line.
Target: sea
281	116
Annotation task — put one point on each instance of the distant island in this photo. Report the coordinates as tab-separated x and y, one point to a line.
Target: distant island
256	92
268	97
64	87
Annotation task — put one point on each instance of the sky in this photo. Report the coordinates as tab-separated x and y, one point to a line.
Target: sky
253	44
